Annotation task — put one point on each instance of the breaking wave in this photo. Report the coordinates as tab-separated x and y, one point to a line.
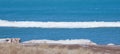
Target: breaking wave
74	41
26	24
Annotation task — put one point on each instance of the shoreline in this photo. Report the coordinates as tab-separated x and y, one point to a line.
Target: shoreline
78	46
66	41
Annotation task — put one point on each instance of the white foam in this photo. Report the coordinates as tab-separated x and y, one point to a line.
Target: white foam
75	41
5	23
110	44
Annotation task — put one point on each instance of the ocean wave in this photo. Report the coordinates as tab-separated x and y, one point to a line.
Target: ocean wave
37	24
74	41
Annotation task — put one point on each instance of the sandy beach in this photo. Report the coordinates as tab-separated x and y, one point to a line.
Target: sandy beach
7	48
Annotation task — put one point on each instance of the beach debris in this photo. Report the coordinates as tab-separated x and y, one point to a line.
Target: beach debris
10	40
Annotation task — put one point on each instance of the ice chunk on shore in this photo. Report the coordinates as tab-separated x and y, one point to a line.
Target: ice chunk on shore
75	41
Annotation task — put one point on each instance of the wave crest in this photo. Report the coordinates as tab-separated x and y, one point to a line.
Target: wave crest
26	24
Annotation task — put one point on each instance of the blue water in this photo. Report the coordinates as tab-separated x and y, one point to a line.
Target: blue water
61	10
98	35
